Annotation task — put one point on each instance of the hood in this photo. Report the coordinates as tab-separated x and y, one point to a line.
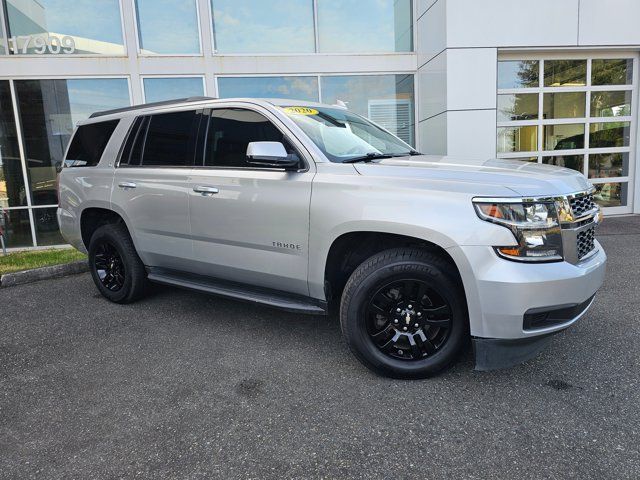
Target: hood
504	177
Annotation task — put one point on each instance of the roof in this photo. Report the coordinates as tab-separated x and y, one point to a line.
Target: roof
206	100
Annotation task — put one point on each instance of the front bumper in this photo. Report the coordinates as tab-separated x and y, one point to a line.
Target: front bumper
499	292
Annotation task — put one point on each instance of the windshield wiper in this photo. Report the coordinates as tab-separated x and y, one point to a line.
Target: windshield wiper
377	156
368	157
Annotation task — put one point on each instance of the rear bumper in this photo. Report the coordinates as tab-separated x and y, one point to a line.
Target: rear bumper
500	293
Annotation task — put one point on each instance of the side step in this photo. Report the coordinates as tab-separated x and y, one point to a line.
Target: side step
273	298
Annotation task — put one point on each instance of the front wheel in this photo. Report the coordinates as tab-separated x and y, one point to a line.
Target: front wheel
403	313
115	266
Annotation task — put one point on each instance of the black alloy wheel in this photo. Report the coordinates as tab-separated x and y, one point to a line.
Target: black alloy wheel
109	266
114	264
408	320
404	314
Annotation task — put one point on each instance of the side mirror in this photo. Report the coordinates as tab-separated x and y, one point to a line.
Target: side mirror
270	154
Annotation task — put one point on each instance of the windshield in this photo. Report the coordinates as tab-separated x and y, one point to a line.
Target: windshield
342	135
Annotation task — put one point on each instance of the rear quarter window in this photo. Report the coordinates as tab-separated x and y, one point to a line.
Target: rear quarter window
89	143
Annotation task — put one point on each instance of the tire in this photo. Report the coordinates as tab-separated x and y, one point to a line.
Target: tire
368	323
111	250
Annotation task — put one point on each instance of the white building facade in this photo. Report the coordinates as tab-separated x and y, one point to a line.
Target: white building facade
545	81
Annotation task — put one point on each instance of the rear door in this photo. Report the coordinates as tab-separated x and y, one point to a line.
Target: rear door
250	224
151	186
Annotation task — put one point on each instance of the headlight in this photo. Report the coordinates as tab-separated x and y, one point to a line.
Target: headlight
535	226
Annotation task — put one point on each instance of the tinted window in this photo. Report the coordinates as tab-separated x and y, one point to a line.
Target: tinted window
170	139
231	131
88	144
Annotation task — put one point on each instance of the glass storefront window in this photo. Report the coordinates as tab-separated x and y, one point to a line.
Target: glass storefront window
16	228
584	119
295	88
611	104
256	26
606	165
168	26
518	139
12	191
564	73
157	89
49	109
564	105
564	136
575	162
611	194
519	106
47	230
611	134
60	27
518	74
617	71
365	26
387	100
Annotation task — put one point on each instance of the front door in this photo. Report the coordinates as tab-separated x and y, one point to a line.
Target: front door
250	224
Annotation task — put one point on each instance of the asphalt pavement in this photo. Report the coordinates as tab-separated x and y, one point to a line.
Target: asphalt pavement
184	385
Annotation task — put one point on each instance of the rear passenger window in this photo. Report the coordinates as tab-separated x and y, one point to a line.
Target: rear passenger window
170	139
89	143
231	130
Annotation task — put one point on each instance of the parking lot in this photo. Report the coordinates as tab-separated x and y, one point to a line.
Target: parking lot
183	385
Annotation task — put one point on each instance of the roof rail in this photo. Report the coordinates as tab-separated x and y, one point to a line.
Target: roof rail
151	105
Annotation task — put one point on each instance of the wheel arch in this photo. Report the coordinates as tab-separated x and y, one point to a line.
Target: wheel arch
351	248
92	218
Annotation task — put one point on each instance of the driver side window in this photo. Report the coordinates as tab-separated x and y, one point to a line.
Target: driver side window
230	132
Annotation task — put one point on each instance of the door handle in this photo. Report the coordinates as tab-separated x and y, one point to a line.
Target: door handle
205	191
126	185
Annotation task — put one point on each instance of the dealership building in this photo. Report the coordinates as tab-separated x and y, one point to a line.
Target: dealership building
549	81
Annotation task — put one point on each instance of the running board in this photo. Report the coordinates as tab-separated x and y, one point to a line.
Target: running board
273	298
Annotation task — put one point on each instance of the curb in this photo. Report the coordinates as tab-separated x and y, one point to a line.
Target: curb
43	273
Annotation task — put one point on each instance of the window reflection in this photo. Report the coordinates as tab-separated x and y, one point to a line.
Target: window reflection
168	26
49	109
520	106
574	162
564	137
47	230
604	165
16	228
256	26
564	105
612	134
562	73
611	194
61	27
365	26
518	139
296	88
12	191
611	104
518	73
612	72
158	89
385	99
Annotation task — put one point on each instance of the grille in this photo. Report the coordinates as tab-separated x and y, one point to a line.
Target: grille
585	242
581	205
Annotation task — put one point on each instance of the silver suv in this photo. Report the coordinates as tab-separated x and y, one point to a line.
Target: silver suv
306	207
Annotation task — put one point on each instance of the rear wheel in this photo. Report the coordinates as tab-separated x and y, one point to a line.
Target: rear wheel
115	266
403	313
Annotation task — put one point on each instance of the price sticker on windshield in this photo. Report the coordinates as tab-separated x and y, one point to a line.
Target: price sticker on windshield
301	110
